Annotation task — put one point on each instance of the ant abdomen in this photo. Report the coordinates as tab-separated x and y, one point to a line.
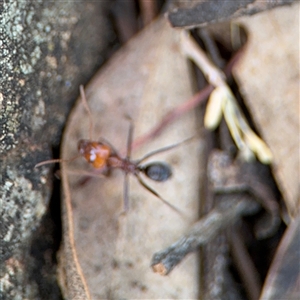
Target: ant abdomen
157	171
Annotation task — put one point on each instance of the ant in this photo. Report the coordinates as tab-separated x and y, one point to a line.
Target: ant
103	156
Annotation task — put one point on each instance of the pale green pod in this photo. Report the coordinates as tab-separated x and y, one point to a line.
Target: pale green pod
213	113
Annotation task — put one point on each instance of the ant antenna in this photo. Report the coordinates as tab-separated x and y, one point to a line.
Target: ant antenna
152	191
86	106
164	149
52	161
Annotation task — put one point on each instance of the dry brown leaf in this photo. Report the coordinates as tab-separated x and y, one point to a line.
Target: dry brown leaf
147	78
268	75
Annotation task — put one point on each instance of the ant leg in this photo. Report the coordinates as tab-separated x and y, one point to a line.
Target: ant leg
79	172
86	106
167	148
152	191
129	138
126	193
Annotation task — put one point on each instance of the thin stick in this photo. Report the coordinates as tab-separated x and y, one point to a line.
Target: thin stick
163	262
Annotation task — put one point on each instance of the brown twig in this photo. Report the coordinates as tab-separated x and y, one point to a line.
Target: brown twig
201	233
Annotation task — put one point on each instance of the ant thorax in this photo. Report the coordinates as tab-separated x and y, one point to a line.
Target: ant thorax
128	166
95	153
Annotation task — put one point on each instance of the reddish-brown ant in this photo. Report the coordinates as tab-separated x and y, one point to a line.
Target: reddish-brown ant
103	156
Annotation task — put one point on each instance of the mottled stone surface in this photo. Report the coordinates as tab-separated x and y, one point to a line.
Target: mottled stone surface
46	50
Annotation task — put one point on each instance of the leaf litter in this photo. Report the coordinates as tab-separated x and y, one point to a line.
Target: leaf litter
144	80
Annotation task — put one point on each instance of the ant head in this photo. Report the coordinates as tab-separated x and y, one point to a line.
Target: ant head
95	153
157	171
